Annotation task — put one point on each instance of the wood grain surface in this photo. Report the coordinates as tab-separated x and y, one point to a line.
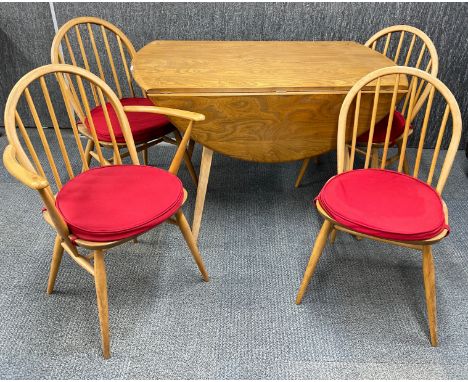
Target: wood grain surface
253	66
269	128
268	101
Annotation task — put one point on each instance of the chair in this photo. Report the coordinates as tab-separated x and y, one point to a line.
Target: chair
401	51
91	208
385	205
76	43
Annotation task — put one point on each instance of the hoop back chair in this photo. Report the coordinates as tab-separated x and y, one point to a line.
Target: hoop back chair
406	46
386	205
79	42
91	208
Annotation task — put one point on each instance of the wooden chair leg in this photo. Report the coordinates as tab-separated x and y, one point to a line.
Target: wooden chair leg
88	149
191	169
145	156
430	292
55	264
405	162
191	147
314	258
205	166
188	236
332	235
187	159
305	164
100	281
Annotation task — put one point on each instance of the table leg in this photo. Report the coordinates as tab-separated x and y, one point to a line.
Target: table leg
305	165
205	166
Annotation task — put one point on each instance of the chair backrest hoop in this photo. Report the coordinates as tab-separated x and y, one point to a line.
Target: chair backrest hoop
427	46
55	49
342	151
58	49
419	33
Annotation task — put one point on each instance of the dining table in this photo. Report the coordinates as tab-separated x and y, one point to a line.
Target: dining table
263	101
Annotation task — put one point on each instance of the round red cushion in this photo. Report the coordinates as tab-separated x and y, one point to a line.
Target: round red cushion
380	130
385	204
145	126
115	202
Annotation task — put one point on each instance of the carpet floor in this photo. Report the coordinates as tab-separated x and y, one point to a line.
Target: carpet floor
362	317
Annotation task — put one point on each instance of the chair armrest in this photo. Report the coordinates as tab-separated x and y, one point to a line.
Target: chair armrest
196	117
25	176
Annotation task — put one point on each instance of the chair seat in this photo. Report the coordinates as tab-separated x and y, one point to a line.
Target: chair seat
380	130
384	204
116	202
145	126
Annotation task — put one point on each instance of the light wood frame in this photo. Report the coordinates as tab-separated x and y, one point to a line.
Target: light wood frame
346	148
83	27
25	165
427	52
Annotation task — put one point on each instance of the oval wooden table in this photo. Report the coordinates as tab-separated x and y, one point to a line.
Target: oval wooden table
264	101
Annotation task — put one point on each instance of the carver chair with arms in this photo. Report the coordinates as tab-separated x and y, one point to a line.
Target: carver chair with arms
388	205
406	46
82	42
95	208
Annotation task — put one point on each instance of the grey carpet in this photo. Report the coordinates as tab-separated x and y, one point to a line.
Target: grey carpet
362	317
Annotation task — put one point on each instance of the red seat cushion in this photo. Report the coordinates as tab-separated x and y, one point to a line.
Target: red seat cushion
380	130
385	204
115	202
145	126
